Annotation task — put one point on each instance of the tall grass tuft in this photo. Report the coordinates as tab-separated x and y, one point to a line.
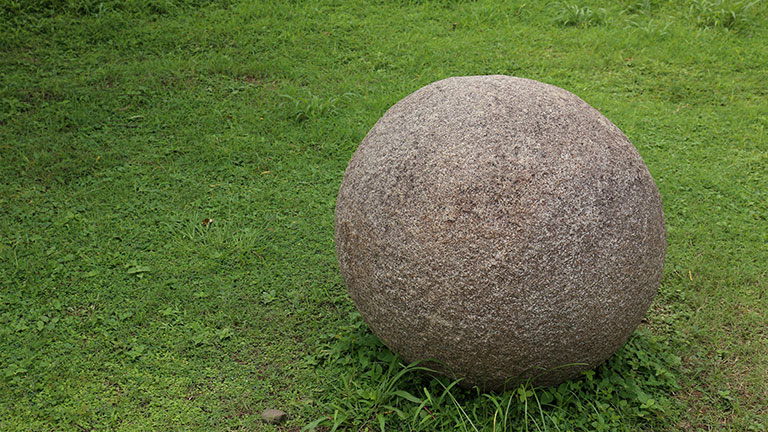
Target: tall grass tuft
725	14
375	390
571	14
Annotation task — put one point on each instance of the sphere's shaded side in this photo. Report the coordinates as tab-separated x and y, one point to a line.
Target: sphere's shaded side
501	226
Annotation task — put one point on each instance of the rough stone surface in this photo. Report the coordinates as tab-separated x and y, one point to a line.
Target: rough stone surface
501	227
273	416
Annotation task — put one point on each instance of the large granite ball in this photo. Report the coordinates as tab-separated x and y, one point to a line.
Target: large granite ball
500	228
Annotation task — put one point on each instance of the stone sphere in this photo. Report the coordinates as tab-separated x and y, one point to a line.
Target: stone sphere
500	229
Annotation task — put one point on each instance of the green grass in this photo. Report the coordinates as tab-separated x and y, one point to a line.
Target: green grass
125	124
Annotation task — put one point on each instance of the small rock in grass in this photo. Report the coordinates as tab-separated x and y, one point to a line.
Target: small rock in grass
273	416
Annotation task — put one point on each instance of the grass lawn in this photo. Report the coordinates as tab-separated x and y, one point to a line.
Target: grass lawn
169	171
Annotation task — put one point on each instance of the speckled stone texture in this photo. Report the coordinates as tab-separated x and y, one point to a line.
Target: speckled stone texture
502	228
